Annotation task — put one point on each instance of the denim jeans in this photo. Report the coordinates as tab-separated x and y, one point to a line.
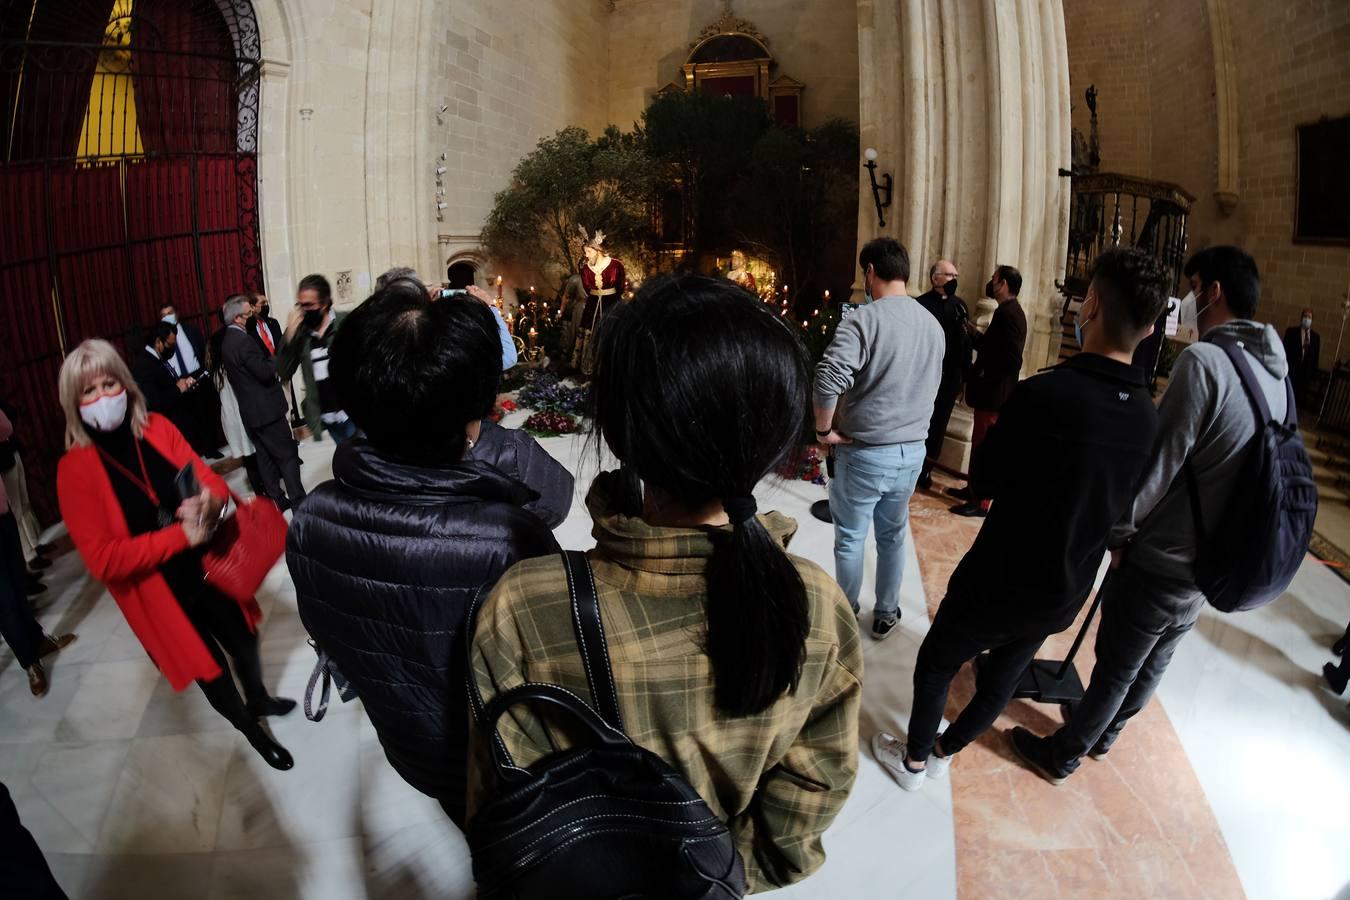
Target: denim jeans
341	432
872	486
1144	617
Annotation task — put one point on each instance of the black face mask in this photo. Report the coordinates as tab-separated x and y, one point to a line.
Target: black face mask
989	290
264	311
950	288
167	353
313	317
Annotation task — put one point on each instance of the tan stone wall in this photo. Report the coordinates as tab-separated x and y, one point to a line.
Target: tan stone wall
1293	61
1106	48
1291	66
516	71
814	41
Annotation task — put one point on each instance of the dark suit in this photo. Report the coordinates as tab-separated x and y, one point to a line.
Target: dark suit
262	408
954	317
159	384
273	329
1302	364
201	405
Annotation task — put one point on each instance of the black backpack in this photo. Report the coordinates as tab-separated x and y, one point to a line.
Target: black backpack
605	820
1261	540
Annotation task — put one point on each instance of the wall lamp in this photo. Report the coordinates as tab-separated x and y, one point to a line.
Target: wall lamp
884	187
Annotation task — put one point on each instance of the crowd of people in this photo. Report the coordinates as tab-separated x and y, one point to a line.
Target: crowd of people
427	573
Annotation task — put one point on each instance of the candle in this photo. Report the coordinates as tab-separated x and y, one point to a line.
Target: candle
827	296
499	281
508	323
815	312
534	337
803	323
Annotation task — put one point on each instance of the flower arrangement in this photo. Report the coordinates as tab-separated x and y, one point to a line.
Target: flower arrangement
803	464
505	406
550	423
546	393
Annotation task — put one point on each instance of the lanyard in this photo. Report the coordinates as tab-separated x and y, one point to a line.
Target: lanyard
144	485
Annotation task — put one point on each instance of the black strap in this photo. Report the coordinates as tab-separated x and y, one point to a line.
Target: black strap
1260	407
590	633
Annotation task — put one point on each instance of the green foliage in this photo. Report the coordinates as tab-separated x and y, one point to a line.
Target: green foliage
570	181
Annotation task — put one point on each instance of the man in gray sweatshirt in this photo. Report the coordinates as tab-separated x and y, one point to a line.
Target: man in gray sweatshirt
1150	599
874	390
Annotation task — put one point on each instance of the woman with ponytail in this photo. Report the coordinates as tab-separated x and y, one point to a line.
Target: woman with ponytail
737	663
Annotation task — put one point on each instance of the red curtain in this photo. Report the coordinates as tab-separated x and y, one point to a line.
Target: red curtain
185	93
48	102
734	85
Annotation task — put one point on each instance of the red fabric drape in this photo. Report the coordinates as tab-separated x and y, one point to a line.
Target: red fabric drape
185	95
52	95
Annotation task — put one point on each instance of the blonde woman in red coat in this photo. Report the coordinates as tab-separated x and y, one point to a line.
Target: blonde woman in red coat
116	486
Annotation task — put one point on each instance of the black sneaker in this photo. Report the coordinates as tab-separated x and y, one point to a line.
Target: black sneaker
961	493
1335	679
882	628
972	510
1035	752
925	482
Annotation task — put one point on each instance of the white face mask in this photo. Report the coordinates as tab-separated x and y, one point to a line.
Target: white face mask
171	318
1307	322
106	413
1188	319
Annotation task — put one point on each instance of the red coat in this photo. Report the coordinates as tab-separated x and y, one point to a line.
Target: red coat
128	565
613	280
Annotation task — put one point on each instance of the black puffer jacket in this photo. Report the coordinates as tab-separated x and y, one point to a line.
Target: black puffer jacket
386	558
520	456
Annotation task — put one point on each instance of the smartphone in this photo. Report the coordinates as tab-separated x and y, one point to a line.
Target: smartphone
187	483
448	293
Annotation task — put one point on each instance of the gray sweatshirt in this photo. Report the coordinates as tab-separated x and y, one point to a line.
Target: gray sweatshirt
882	370
1204	416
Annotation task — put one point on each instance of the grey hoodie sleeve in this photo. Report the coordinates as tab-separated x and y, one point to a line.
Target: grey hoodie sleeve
845	356
1186	410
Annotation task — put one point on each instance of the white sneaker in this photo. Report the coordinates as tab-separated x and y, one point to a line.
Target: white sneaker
890	752
937	766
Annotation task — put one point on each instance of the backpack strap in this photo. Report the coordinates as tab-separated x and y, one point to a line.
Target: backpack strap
1260	407
590	633
506	766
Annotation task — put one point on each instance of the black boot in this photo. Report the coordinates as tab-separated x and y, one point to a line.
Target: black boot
277	756
1335	677
270	706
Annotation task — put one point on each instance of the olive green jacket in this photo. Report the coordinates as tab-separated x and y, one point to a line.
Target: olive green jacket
295	355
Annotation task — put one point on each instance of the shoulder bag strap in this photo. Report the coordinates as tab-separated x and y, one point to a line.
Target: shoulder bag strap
591	637
506	766
1252	387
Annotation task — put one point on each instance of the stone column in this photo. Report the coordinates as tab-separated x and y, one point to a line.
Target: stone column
967	105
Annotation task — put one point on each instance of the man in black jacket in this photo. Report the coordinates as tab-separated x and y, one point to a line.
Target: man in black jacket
954	317
419	517
262	405
998	363
165	391
1036	558
201	404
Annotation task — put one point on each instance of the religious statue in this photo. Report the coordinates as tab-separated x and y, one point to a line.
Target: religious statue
571	309
603	279
739	274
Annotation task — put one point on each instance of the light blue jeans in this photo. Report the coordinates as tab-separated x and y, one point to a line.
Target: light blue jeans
872	485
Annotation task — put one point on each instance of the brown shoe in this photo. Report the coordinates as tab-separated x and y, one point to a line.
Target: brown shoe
37	680
52	644
37	675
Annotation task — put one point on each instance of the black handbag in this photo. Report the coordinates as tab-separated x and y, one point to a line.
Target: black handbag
607	819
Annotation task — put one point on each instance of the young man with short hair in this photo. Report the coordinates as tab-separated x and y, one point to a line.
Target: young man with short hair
1151	599
874	396
1036	557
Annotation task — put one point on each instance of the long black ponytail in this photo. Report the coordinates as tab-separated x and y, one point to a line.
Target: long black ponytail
700	390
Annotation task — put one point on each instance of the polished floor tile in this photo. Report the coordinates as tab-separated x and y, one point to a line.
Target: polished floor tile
1238	773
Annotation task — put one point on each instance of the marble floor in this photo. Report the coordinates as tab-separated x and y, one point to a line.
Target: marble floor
1235	783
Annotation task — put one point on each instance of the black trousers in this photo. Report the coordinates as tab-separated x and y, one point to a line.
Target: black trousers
950	644
278	458
23	869
17	625
943	405
223	629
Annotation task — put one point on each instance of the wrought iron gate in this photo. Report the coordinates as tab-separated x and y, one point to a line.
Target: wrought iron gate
128	179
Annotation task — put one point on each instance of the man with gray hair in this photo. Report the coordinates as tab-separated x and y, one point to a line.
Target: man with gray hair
262	404
953	315
397	273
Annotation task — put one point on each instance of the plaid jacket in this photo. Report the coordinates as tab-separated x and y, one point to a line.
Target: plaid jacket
778	778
